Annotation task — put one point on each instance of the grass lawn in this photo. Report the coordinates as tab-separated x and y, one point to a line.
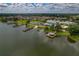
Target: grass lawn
22	22
63	33
30	26
75	37
35	21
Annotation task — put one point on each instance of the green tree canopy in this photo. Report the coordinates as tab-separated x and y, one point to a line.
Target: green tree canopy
74	29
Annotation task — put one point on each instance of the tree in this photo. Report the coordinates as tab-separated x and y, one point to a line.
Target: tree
58	27
74	29
52	28
2	19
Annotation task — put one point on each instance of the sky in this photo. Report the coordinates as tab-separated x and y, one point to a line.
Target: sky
39	8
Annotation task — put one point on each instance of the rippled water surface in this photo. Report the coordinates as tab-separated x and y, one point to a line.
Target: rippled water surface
13	41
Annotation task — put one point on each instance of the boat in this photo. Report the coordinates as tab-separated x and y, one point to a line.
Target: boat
51	34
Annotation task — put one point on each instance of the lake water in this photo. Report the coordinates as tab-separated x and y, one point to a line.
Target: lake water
13	41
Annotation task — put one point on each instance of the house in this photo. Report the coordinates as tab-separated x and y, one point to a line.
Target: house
64	26
67	22
50	22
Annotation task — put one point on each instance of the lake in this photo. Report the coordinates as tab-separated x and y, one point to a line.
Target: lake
15	42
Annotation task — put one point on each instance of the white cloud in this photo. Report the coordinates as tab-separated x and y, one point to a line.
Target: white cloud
38	8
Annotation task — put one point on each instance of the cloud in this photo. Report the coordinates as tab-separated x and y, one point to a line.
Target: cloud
39	8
